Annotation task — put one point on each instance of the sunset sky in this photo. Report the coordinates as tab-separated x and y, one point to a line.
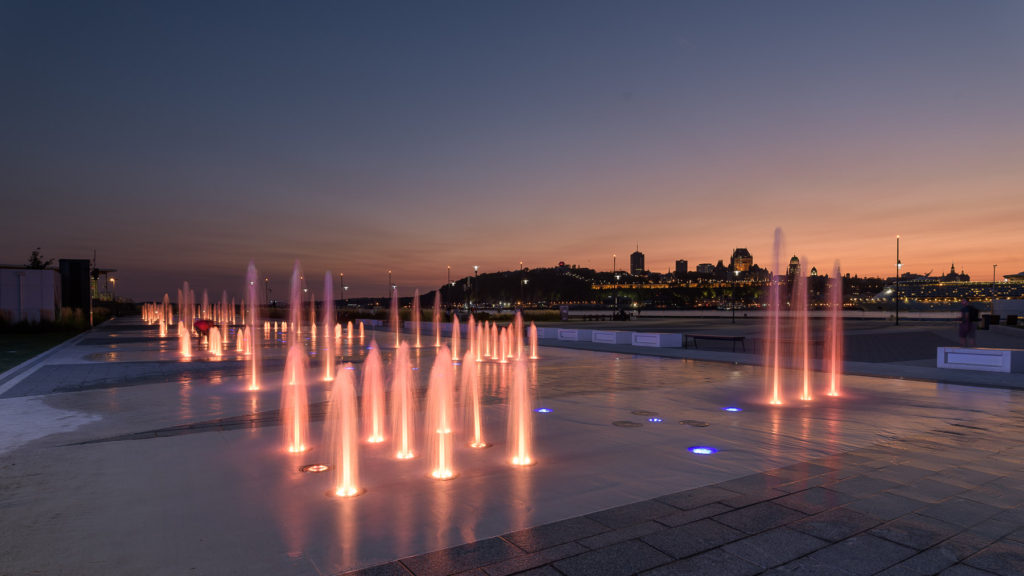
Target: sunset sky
181	140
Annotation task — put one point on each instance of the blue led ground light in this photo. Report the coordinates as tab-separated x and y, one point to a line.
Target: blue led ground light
703	450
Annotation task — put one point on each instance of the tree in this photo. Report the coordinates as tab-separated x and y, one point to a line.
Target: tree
36	262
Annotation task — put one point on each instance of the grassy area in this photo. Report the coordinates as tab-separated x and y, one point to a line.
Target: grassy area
16	347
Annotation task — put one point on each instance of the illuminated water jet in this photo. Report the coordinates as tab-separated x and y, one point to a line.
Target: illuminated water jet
373	395
342	437
471	394
834	334
440	425
294	402
403	405
520	421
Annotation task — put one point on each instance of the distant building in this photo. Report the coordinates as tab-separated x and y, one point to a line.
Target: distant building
705	268
794	267
741	260
681	268
954	277
814	272
636	263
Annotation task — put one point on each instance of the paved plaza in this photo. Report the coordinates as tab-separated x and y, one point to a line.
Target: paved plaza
116	457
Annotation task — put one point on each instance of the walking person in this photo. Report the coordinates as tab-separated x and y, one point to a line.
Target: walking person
968	323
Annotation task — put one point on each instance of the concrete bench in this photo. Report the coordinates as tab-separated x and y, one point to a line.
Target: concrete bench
611	337
574	335
719	337
983	359
657	339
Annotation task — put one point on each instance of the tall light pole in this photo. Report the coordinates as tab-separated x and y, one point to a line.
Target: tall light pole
476	282
735	276
613	263
899	265
994	288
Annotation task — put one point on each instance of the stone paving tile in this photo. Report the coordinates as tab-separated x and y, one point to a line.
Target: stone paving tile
863	554
621	534
886	506
836	524
800	471
535	560
717	562
931	561
752	484
542	571
862	485
694	538
928	490
959	511
1017	535
775	547
807	567
900	473
742	500
759	517
814	500
624	558
995	496
967	476
916	531
811	482
630	514
548	535
687	516
389	569
963	570
697	497
461	558
1005	557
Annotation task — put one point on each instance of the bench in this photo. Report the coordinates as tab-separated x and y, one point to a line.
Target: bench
983	359
718	337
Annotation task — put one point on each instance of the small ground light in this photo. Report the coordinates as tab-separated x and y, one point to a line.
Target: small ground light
703	449
543	410
314	468
654	419
732	409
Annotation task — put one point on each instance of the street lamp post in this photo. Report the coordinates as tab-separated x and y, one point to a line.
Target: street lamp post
994	288
476	283
735	276
899	265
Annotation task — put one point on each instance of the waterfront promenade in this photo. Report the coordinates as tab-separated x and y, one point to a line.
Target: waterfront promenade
128	461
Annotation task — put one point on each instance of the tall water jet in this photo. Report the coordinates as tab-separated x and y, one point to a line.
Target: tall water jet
416	317
253	344
294	402
393	319
471	395
216	346
520	423
437	322
342	436
184	341
440	416
772	340
328	323
456	335
801	330
204	312
503	346
312	320
533	342
350	330
361	335
834	335
226	314
295	300
240	339
517	332
403	405
373	395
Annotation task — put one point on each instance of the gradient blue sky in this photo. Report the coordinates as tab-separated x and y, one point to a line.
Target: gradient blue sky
182	139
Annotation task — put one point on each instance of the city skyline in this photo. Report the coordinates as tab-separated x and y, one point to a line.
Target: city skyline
182	141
